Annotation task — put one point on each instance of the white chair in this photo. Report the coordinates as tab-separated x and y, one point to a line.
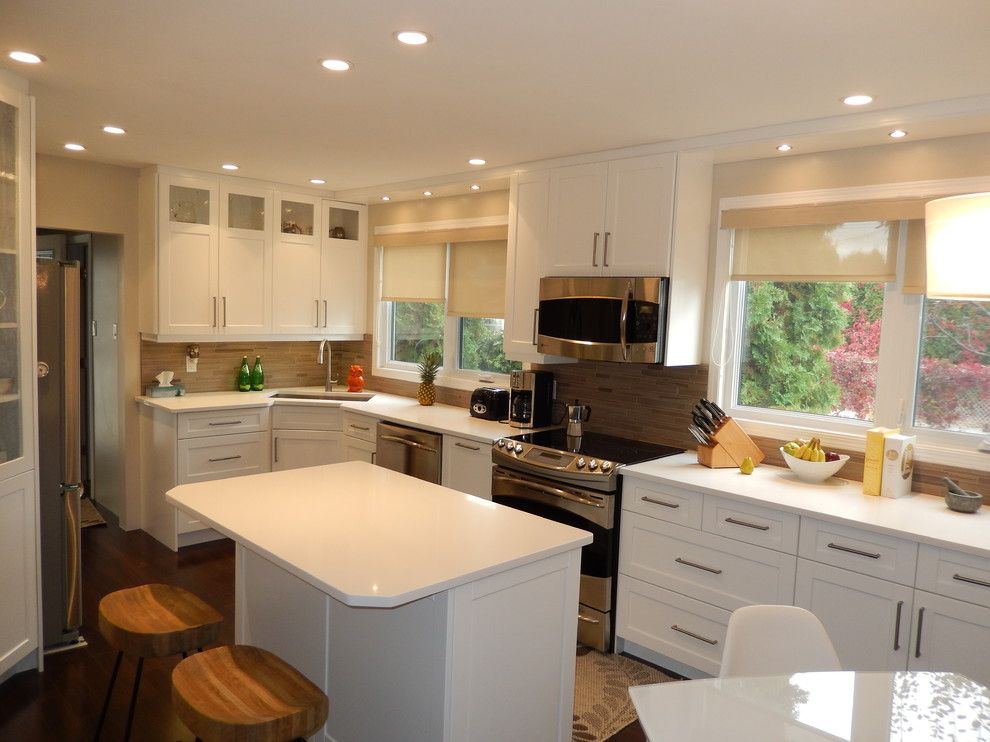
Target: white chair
776	640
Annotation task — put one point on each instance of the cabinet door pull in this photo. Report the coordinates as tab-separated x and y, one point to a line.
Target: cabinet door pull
214	311
674	505
326	313
594	250
276	449
225	458
850	550
605	250
361	427
897	626
214	423
713	570
699	637
587	619
317	324
757	526
469	448
225	311
917	644
970	580
536	315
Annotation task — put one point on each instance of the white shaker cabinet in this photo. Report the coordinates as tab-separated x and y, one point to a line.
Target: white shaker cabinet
344	268
297	263
950	635
467	466
612	218
304	435
244	275
359	443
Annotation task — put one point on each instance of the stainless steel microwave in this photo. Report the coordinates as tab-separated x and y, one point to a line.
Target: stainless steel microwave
603	318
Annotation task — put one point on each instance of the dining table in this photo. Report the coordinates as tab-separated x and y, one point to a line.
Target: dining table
815	706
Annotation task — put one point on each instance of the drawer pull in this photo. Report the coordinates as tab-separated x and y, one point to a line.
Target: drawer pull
850	550
469	448
897	626
214	424
225	458
586	619
921	621
971	580
360	427
698	566
661	502
757	526
699	637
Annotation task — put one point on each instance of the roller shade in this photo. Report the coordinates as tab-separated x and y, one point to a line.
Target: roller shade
885	210
477	279
432	236
414	273
851	251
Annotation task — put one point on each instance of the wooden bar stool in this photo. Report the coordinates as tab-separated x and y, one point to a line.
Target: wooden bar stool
246	694
153	621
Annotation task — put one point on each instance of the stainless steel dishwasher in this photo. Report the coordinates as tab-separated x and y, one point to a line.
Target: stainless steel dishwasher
410	451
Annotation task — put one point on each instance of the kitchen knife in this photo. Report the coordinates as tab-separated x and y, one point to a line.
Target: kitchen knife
713	410
703	422
698	435
705	415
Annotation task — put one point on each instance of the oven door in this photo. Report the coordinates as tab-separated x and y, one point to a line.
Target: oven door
603	319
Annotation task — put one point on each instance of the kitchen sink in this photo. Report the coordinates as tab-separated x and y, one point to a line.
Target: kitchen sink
331	396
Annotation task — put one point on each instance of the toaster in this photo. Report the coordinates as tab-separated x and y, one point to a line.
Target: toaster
490	403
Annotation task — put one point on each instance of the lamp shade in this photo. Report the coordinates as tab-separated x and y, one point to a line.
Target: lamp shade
957	254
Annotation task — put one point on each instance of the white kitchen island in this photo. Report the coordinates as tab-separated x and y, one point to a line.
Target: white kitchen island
424	613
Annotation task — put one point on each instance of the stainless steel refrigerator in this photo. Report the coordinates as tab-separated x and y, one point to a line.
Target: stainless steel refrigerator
59	450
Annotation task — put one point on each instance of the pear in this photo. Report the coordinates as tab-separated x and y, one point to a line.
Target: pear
747	466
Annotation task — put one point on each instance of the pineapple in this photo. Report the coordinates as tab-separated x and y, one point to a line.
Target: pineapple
428	367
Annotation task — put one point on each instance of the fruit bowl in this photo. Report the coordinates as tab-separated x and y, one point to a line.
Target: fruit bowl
813	471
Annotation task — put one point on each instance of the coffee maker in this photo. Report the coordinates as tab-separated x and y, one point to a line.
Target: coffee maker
531	396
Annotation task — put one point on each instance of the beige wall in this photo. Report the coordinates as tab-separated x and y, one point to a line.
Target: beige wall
93	197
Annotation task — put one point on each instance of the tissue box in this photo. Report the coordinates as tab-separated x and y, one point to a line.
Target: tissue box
174	390
898	465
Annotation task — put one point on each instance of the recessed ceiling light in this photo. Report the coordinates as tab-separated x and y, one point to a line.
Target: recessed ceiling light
857	100
477	161
413	38
26	57
111	129
897	134
783	147
475	187
317	181
427	193
74	146
230	166
386	198
336	65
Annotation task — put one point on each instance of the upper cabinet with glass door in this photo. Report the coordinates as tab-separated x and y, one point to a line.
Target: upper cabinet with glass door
297	304
245	259
344	271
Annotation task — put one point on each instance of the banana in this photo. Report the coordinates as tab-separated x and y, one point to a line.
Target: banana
799	453
809	454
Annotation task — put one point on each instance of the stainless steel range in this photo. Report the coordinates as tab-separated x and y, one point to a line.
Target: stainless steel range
575	480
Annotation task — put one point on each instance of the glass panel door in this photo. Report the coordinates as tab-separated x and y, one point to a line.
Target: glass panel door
11	438
188	205
343	223
245	212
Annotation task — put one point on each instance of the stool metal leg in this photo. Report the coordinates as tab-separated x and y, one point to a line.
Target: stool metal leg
134	694
106	701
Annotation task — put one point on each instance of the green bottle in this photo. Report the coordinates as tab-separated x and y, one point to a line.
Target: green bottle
257	375
244	377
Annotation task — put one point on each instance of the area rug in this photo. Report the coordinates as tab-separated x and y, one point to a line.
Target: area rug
89	515
601	693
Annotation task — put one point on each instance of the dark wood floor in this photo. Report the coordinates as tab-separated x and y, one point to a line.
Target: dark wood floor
62	704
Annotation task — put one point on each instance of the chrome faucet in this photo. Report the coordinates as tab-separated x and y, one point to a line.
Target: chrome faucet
328	386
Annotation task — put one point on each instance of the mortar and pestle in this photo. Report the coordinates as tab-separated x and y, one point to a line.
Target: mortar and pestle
960	500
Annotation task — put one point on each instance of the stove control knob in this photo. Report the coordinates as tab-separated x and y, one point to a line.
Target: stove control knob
593	464
518	448
580	463
501	443
606	467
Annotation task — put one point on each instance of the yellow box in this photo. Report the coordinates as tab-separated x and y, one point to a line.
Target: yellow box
873	463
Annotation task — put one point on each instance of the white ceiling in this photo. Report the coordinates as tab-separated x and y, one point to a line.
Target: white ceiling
201	82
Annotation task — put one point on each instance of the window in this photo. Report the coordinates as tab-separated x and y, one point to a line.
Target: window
826	329
445	298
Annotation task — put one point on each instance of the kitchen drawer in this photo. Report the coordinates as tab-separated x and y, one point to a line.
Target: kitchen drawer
704	566
954	574
753	524
222	422
861	551
663	501
305	417
360	426
222	456
681	628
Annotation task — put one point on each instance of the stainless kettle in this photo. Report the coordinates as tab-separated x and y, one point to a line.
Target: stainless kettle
577	414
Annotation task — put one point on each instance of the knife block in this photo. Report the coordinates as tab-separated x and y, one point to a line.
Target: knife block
732	445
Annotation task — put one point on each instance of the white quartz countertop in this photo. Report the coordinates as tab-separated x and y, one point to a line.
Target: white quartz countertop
920	517
370	536
439	418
